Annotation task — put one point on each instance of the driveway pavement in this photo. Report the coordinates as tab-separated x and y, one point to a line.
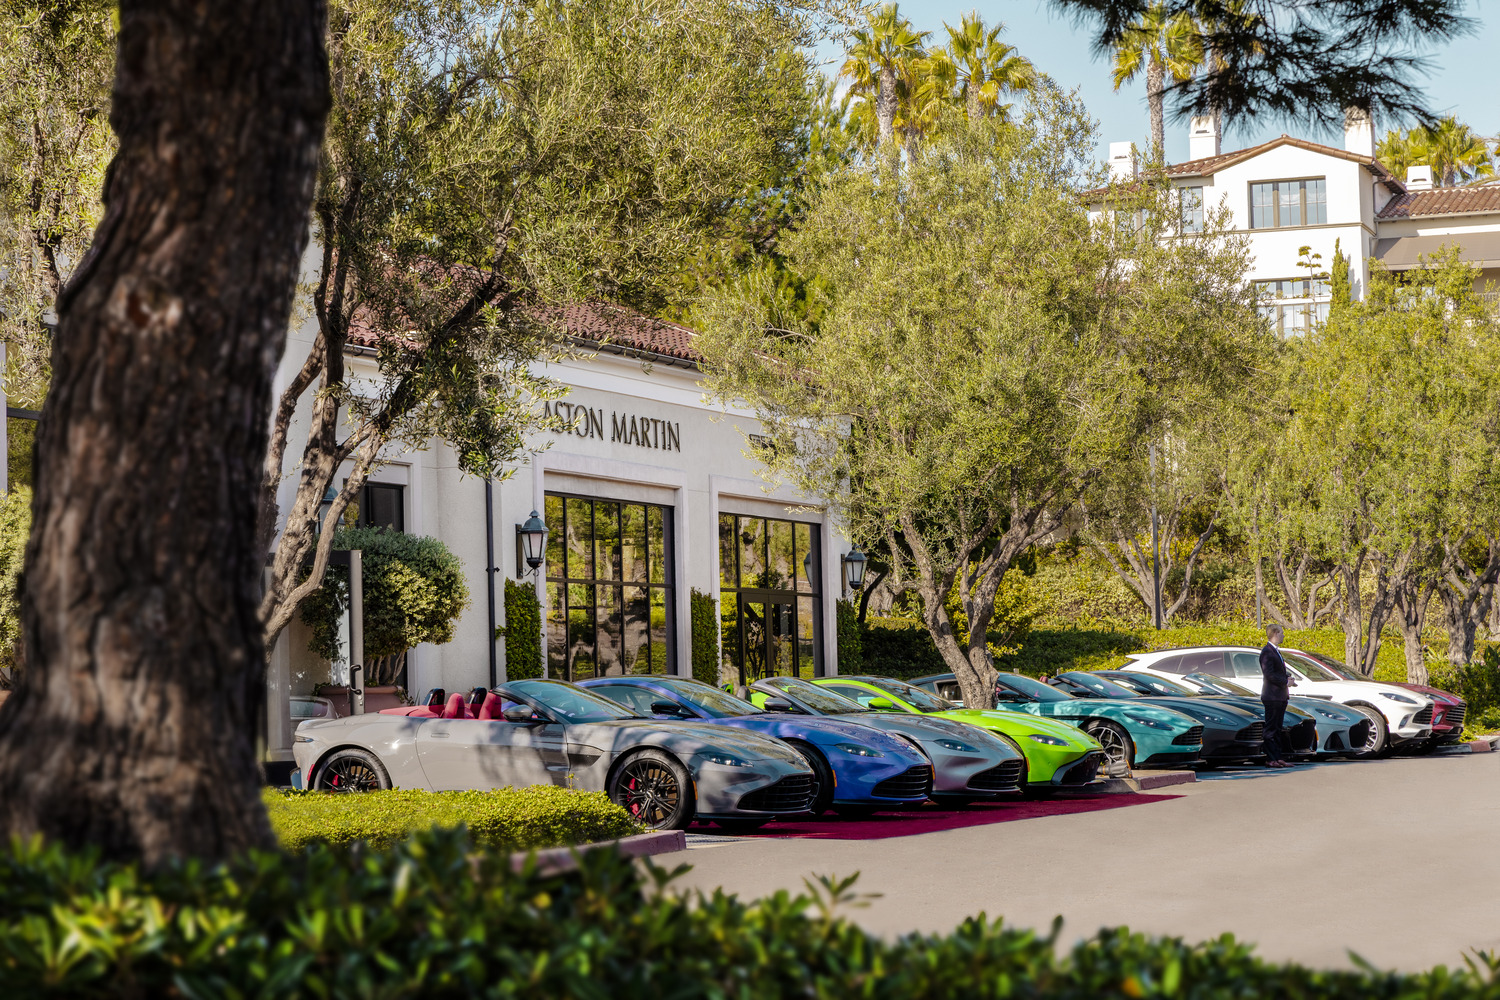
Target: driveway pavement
1397	860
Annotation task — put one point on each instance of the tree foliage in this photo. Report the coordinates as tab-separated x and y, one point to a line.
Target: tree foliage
986	353
56	70
413	589
1452	149
15	529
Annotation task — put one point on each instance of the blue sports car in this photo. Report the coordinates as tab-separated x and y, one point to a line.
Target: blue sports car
858	768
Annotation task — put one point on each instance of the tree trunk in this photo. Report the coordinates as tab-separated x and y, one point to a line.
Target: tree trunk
885	113
972	105
1466	597
1412	596
1156	76
134	727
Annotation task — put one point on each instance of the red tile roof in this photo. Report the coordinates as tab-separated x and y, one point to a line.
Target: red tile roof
1443	201
1208	165
625	330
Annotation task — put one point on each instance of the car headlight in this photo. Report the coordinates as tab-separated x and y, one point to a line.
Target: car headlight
725	759
1146	720
956	746
1215	720
1325	714
859	751
1051	741
1403	699
299	738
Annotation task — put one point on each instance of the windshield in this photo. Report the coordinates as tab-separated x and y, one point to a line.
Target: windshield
1328	663
1099	685
1313	670
1146	684
1219	685
710	701
567	703
1032	690
809	695
922	701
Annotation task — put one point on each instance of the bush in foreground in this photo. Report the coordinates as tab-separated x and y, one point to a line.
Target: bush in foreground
507	819
433	918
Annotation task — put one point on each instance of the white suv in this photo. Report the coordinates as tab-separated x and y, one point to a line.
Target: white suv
1397	714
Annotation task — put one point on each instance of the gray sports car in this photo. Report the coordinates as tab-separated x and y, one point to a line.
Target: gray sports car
545	732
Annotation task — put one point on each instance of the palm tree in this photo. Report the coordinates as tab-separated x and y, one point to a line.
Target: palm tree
986	67
1162	45
1452	149
880	56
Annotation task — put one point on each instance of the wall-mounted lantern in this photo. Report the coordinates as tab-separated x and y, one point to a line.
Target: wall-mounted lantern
854	569
531	543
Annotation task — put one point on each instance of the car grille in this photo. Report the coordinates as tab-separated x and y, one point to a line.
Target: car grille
792	794
1455	716
1084	771
1334	743
1303	736
1359	733
913	783
1006	774
1253	733
1192	738
1423	717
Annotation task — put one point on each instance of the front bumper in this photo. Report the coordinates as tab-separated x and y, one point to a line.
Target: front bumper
760	791
969	774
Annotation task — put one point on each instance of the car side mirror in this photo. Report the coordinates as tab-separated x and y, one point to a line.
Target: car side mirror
880	704
776	705
666	708
517	713
1005	694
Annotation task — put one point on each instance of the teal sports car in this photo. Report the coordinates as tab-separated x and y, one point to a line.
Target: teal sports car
1132	734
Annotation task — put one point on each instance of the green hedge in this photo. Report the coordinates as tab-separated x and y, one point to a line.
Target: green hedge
851	646
508	819
433	918
705	633
522	632
899	647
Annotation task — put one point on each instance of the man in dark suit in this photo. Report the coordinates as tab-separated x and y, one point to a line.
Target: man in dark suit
1274	690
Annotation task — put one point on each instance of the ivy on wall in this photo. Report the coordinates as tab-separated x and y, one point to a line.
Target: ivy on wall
522	632
705	653
851	651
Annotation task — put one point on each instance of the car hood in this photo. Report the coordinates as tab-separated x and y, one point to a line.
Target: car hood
1023	721
685	736
1436	694
1118	706
822	730
1373	689
929	727
1200	710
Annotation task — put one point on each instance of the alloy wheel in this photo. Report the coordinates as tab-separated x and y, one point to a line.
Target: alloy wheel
347	773
649	791
1115	746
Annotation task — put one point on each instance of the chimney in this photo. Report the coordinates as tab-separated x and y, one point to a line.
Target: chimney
1203	137
1359	132
1121	161
1419	178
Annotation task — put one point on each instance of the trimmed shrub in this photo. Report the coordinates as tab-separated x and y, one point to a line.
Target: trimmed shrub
15	529
432	918
851	650
522	632
705	634
900	647
507	819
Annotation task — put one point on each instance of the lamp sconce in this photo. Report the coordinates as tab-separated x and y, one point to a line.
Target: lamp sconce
854	570
531	544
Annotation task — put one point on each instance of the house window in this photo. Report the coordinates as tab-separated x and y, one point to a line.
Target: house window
1278	204
609	586
770	608
382	505
1192	209
1294	305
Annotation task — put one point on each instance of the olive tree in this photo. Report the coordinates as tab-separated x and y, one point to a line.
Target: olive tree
985	355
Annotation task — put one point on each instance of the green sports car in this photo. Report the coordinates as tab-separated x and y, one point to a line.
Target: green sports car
1056	753
1132	734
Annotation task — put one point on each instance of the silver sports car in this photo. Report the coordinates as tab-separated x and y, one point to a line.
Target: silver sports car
533	732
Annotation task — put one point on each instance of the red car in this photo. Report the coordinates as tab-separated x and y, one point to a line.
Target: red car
1448	709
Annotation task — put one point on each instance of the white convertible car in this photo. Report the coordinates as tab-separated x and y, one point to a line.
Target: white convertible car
1397	716
539	732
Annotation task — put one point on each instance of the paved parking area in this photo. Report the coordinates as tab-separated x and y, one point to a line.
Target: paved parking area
1397	860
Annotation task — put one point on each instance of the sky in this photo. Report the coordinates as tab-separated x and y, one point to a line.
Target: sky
1461	81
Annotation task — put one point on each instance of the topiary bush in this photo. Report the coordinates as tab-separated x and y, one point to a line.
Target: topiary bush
507	819
522	632
851	647
414	592
705	635
434	918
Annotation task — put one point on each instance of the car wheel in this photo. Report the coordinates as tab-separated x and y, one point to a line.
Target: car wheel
655	789
1379	739
351	771
1115	742
740	825
822	776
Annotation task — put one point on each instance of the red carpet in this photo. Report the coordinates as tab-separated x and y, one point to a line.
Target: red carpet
930	818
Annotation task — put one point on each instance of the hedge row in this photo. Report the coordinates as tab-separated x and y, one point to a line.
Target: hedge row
433	918
508	819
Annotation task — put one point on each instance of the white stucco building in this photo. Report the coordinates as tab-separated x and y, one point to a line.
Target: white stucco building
653	495
1289	193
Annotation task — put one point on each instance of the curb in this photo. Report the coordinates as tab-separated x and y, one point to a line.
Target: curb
1484	744
1161	779
562	859
1138	782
